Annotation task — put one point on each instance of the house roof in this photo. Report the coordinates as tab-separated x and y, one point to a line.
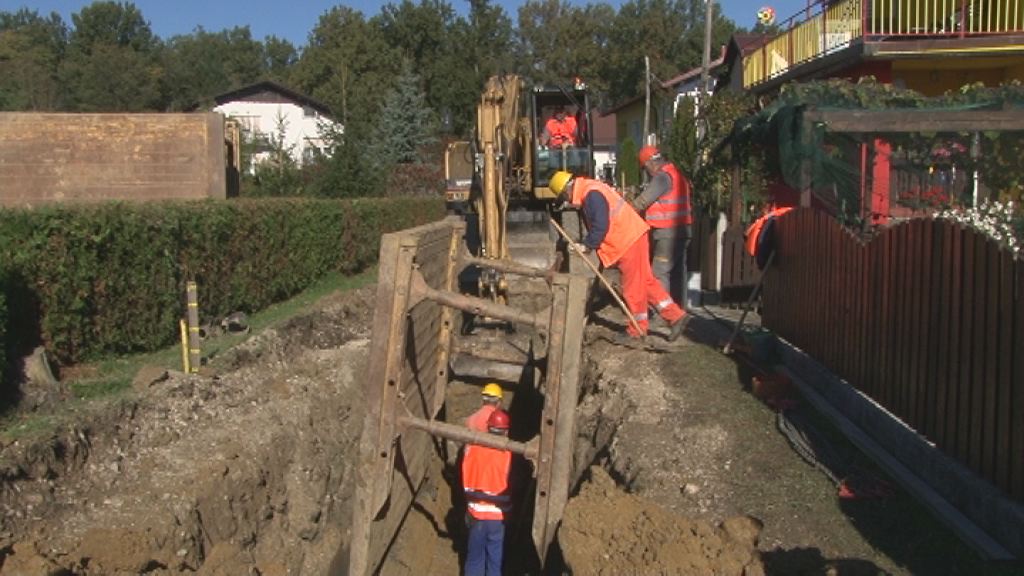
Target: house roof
268	91
692	73
747	43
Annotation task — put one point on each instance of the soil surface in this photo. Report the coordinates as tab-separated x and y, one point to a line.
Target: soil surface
247	470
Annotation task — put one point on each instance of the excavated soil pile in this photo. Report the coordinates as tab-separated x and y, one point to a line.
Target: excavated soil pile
244	470
607	532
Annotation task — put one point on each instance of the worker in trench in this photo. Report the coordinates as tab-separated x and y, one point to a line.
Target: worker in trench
665	206
490	400
485	482
619	237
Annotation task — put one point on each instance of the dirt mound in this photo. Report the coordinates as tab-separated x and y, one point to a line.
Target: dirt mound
244	470
606	531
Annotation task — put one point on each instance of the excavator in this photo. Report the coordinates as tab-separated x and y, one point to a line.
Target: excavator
498	180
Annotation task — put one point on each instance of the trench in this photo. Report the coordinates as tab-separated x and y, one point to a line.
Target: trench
433	535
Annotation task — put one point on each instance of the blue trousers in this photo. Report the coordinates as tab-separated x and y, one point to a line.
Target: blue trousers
484	550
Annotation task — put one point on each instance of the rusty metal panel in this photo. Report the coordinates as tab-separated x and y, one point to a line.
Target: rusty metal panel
558	419
407	380
62	158
401	381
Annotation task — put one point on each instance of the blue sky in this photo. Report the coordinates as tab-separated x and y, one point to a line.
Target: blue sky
294	19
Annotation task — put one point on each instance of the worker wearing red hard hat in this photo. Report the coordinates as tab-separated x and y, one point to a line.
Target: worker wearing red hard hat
665	205
619	236
485	482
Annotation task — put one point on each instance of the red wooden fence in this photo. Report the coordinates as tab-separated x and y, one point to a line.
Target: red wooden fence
739	270
927	319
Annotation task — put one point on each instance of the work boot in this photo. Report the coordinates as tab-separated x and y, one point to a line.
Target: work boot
676	328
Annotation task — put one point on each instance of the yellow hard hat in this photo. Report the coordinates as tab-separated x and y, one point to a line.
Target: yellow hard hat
559	180
492	390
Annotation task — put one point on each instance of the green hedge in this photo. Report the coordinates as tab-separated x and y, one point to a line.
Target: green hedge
111	278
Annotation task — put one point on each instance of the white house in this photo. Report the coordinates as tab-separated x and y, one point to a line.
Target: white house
270	113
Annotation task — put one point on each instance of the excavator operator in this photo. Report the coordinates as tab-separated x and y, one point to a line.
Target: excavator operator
559	129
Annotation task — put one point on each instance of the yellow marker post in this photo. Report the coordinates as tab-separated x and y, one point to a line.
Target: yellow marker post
184	345
194	357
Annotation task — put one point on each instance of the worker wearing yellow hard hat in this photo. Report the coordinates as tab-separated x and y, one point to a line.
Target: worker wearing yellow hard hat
490	399
619	236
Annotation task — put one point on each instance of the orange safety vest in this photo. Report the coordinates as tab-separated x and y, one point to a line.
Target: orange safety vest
673	207
625	226
561	131
485	470
478	420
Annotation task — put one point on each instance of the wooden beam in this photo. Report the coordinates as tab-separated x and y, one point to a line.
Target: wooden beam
918	120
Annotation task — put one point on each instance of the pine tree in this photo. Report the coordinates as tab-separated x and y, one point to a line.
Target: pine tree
681	140
405	124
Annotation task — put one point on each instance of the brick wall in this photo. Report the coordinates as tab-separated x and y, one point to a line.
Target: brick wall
47	158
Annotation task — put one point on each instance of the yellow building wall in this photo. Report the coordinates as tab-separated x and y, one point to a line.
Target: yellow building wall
935	76
1015	72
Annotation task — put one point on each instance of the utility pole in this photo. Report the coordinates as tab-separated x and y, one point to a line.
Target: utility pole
705	70
647	103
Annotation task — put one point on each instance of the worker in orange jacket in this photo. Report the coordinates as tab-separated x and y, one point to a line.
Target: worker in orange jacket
619	236
490	400
665	205
559	129
485	482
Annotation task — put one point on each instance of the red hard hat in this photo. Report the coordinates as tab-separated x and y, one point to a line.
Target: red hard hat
646	153
498	420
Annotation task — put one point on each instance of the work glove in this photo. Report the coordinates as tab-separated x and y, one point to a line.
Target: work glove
580	248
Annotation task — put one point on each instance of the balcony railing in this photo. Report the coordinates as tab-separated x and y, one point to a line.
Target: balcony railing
826	27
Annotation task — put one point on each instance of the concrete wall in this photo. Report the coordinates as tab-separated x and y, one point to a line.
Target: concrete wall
72	158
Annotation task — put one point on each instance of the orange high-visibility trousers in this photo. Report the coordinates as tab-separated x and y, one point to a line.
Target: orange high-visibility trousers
640	288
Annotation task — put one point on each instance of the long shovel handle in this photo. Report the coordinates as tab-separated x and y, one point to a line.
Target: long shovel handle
727	349
607	284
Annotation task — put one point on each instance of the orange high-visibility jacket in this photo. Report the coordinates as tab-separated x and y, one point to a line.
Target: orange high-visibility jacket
672	208
485	470
478	420
561	132
625	226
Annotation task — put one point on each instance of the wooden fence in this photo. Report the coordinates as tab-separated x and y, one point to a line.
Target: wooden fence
927	319
739	270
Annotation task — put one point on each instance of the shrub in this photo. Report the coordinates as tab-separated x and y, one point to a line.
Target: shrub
111	278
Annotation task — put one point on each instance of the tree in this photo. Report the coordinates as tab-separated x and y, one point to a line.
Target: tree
484	47
628	168
272	162
347	65
347	172
426	36
681	141
112	61
31	49
405	125
279	58
558	41
204	64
